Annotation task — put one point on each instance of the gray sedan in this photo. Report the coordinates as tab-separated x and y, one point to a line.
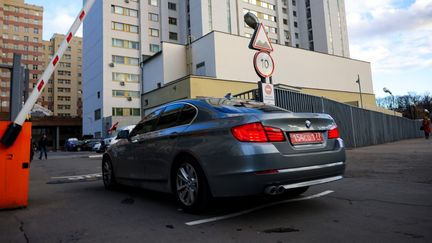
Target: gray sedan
209	147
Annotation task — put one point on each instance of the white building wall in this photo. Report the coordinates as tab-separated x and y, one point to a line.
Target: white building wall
293	66
204	51
227	57
329	27
98	67
174	61
153	73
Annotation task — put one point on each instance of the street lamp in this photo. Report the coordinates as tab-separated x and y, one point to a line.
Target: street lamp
359	84
251	20
390	93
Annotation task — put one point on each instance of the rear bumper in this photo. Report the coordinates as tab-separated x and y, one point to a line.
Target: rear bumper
249	174
252	183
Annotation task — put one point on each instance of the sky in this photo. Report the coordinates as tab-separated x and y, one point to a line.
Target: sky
395	36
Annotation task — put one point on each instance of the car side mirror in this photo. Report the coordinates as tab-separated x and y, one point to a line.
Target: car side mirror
124	134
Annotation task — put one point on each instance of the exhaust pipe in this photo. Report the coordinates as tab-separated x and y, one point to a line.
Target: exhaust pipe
280	189
274	190
271	190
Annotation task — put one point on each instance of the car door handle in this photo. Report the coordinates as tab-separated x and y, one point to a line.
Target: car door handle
173	135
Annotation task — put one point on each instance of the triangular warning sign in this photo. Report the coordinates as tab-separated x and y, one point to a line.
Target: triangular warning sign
260	40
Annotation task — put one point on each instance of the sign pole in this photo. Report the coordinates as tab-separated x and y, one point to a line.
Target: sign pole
263	63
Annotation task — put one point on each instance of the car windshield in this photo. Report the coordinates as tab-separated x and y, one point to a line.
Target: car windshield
242	106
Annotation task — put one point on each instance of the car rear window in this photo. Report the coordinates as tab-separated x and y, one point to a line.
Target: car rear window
242	106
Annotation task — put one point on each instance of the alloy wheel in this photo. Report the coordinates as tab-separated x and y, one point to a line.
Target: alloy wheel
107	173
187	184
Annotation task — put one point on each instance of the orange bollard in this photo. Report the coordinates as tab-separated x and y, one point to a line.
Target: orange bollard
15	168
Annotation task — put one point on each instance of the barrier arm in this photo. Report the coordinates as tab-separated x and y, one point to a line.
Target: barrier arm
14	128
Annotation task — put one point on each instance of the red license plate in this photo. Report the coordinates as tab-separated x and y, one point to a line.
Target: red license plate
306	137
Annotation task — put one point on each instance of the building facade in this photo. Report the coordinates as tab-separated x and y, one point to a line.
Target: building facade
120	35
63	93
21	33
222	63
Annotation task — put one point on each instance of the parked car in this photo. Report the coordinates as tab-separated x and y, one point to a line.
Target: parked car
73	144
116	138
89	144
204	148
97	147
112	139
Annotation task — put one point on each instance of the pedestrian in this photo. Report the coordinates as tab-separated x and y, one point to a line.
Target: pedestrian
426	125
42	146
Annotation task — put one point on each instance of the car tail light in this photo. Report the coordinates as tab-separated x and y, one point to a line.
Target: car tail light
274	134
333	133
256	132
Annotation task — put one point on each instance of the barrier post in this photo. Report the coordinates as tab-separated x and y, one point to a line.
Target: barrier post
14	169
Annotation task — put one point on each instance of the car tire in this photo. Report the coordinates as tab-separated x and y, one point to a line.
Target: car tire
108	176
296	191
190	186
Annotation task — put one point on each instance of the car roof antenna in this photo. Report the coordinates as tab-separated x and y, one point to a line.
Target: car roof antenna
229	96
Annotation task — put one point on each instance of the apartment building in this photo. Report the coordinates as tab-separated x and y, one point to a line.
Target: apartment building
63	92
20	32
120	35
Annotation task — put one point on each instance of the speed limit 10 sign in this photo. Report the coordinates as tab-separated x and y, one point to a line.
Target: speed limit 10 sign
264	64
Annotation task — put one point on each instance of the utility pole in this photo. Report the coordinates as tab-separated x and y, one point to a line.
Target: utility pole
359	84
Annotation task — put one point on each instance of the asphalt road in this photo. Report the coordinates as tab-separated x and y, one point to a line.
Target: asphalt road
385	197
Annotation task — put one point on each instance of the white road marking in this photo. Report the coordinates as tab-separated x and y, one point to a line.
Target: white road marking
98	156
232	215
78	177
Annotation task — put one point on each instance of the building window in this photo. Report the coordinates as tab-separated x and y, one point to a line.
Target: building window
125	44
117	111
97	114
35	67
63	107
64	73
295	24
284	10
172	6
64	81
296	35
125	93
124	11
125	60
154	32
16	28
63	90
172	21
295	13
65	64
125	77
124	27
154	48
153	17
311	46
173	36
294	3
153	2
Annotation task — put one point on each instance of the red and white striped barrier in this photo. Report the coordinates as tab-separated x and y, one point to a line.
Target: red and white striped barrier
13	130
